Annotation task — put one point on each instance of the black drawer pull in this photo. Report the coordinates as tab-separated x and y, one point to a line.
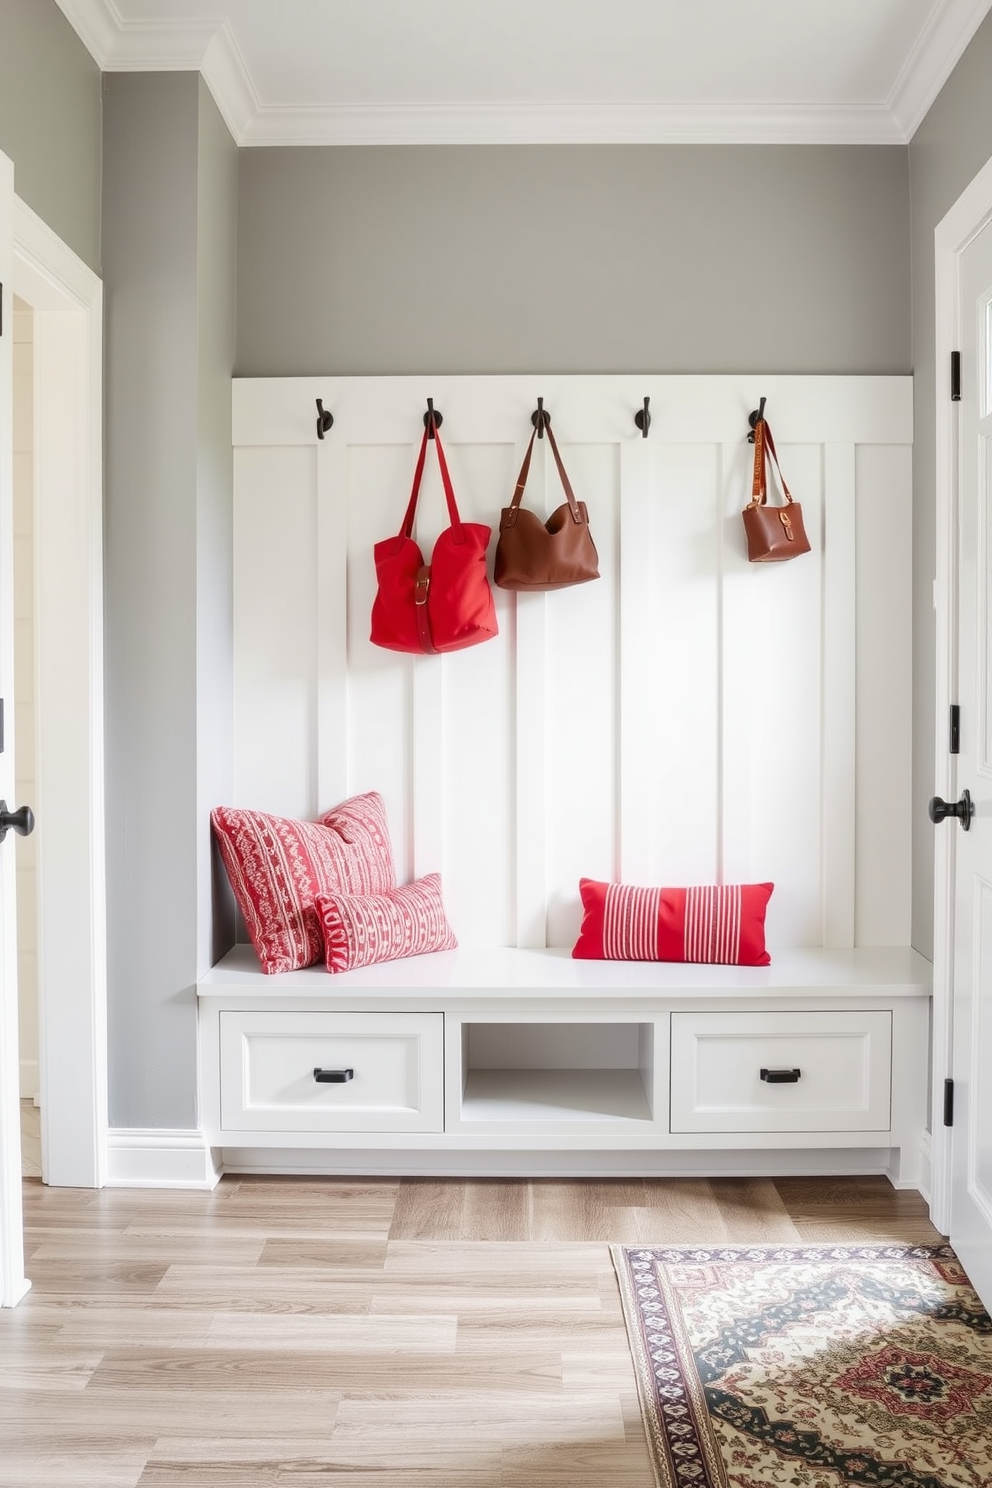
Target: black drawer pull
780	1077
333	1077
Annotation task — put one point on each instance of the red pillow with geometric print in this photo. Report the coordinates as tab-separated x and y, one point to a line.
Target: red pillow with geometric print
364	929
277	867
723	924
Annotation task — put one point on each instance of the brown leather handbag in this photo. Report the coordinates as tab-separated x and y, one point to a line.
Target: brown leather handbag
773	533
532	554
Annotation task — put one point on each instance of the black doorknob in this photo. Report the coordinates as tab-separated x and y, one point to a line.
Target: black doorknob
22	820
963	809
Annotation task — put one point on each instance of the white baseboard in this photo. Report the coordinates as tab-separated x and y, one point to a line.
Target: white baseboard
29	1080
152	1158
138	1158
789	1163
925	1183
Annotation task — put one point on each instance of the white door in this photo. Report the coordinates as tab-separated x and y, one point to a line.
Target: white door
971	1137
12	1282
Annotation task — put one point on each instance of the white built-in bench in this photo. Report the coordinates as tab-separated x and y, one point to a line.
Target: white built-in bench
526	1061
688	718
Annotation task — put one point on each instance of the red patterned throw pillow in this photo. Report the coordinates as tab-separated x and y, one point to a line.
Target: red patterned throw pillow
361	929
277	867
723	924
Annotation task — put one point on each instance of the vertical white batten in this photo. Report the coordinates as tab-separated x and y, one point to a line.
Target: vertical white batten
427	726
739	635
331	584
530	611
839	677
637	724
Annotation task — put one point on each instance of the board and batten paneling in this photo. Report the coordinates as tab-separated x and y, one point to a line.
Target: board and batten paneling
687	718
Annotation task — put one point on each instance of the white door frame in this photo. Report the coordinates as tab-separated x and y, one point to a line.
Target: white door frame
67	299
969	215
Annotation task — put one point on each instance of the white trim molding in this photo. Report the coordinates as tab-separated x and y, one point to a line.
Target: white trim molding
969	215
387	1163
925	1184
938	51
560	124
120	45
67	300
154	1158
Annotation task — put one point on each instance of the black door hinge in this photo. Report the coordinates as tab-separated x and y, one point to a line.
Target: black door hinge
954	731
955	377
948	1102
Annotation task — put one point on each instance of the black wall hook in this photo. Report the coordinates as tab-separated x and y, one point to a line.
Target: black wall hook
432	419
643	419
325	418
755	418
540	419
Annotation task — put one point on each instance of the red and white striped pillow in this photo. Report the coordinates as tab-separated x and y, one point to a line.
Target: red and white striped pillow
713	923
362	929
277	866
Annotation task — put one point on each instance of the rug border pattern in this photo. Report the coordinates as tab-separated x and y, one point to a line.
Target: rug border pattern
678	1392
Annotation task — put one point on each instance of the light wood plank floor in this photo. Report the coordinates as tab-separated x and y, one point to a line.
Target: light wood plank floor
282	1332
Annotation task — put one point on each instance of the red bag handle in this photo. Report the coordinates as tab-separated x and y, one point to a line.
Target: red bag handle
759	491
430	432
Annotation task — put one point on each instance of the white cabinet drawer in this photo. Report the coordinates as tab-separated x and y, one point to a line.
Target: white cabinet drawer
269	1060
843	1061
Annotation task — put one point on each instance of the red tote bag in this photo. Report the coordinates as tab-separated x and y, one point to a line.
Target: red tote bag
444	605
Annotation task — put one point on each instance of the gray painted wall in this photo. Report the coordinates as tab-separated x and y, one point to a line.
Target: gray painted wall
946	153
573	259
217	224
50	121
168	232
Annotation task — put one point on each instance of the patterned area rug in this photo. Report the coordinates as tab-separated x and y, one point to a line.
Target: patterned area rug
810	1365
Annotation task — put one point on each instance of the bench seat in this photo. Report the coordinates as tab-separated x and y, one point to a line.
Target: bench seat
900	970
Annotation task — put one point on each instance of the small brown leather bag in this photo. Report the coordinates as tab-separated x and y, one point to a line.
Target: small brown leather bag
773	533
532	554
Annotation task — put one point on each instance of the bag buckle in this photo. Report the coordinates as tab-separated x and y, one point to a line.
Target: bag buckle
422	584
783	517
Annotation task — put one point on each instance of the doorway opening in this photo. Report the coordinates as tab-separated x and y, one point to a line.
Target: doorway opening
65	300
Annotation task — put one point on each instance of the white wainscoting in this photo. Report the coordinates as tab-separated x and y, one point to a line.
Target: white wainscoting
690	717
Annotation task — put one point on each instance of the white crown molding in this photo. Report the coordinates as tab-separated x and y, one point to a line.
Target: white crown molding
466	124
123	46
949	29
97	23
118	45
227	77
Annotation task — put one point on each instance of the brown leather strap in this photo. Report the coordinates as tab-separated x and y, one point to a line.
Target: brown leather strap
759	492
421	589
573	505
759	484
518	489
771	450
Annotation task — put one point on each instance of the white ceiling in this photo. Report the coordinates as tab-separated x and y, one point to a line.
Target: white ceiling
308	72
